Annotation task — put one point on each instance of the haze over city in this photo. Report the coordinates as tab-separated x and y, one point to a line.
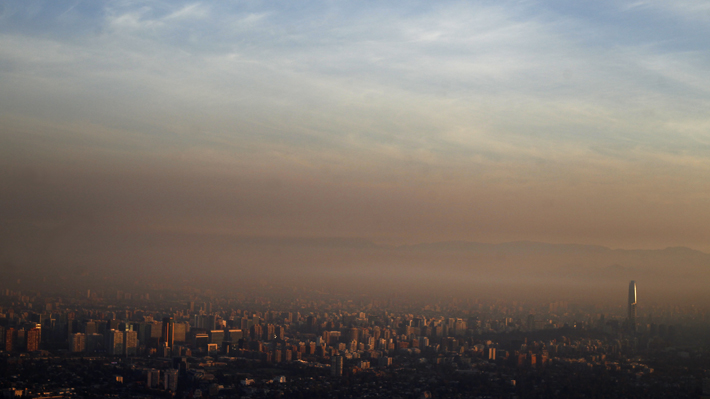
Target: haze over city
330	142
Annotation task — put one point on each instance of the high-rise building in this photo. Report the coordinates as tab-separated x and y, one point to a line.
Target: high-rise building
168	331
115	342
256	331
143	331
234	335
78	342
153	334
491	353
216	337
207	322
180	332
201	341
336	366
384	361
353	334
269	332
33	337
152	378
130	343
170	379
90	327
94	342
632	306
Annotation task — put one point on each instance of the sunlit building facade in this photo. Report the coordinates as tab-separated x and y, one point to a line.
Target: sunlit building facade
632	306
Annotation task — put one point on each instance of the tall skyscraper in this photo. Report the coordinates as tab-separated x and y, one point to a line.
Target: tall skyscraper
632	306
168	333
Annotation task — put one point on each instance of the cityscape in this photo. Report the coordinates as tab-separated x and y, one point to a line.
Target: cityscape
496	199
160	342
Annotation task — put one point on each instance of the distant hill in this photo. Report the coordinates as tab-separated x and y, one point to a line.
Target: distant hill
444	267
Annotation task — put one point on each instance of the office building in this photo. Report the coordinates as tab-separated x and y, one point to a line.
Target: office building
201	341
336	366
170	379
130	343
153	378
168	331
94	342
90	327
216	337
632	306
33	337
78	342
234	335
115	342
180	332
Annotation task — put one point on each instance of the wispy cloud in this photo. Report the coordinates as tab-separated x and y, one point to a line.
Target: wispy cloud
510	97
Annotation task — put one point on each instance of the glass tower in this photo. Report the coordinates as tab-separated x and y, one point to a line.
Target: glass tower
632	305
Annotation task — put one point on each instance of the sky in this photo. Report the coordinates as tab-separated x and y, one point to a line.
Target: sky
396	122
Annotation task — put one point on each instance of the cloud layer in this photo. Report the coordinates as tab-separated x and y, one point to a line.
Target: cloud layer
399	122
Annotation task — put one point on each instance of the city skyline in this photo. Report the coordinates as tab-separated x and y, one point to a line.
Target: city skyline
309	343
355	199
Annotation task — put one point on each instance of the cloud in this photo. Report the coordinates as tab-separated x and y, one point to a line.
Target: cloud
544	118
687	9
